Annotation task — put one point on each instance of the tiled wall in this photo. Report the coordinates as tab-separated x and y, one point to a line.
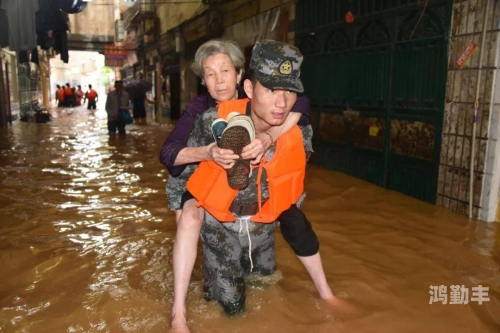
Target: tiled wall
236	13
96	20
453	187
171	15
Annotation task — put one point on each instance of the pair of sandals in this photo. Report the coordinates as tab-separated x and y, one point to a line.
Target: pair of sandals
234	133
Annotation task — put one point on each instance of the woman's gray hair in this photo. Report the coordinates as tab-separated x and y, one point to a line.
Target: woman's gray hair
218	46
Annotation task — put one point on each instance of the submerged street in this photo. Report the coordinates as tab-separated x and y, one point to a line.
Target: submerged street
86	245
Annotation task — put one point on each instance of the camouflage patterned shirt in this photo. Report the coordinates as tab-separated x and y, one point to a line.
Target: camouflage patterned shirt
201	135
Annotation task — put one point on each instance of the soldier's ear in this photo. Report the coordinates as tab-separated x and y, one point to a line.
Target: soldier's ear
248	87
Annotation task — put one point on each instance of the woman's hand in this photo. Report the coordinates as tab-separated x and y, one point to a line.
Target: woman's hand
257	148
223	157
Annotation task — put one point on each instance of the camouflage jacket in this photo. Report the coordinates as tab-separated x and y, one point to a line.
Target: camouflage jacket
201	135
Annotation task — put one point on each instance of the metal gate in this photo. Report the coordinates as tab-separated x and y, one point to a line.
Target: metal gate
29	89
377	88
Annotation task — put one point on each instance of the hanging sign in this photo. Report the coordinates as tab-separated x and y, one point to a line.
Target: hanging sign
465	56
113	62
119	31
114	52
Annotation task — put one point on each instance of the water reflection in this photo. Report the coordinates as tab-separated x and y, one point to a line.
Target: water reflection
86	242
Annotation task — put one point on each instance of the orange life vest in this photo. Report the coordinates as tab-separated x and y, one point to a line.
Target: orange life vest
285	176
91	94
60	94
68	91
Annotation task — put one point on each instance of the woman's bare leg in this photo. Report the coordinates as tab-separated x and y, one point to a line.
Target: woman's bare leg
185	250
314	267
178	214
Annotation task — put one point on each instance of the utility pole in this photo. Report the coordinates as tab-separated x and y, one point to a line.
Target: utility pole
7	93
44	73
3	98
158	90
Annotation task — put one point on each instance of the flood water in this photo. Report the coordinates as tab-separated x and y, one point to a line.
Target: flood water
86	246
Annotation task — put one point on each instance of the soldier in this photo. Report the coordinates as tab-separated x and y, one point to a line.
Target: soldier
219	63
243	243
91	96
68	96
60	96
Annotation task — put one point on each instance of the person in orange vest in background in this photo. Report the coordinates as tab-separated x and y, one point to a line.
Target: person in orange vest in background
60	96
68	95
91	96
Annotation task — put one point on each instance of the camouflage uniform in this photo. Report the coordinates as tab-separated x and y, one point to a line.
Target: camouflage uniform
227	248
235	250
226	245
175	187
277	65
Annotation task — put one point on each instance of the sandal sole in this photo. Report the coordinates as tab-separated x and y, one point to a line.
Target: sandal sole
236	138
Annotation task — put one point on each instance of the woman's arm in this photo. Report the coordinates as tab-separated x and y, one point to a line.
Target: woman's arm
192	155
303	106
224	157
276	131
177	140
175	154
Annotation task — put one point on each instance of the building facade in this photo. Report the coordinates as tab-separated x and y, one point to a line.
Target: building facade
390	105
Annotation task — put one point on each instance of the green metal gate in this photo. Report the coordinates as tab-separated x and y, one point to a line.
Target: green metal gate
29	87
377	88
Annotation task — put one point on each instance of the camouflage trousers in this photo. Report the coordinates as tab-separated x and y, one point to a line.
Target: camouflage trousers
233	251
175	187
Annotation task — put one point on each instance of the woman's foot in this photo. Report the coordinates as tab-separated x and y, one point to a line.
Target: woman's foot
179	329
178	325
342	309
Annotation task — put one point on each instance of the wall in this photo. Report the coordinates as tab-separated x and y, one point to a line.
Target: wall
254	20
189	83
11	59
97	19
453	184
491	181
171	15
245	22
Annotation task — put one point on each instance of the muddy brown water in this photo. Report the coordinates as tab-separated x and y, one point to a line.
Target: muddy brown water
86	245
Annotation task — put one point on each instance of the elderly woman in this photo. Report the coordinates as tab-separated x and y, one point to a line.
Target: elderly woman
220	64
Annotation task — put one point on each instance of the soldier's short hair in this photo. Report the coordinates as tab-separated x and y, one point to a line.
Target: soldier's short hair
251	76
218	46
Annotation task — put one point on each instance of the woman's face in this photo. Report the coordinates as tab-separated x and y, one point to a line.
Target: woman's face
220	77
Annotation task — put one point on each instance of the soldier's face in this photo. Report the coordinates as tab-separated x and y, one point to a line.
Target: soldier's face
269	107
220	77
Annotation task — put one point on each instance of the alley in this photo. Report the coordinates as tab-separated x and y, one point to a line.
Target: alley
86	244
